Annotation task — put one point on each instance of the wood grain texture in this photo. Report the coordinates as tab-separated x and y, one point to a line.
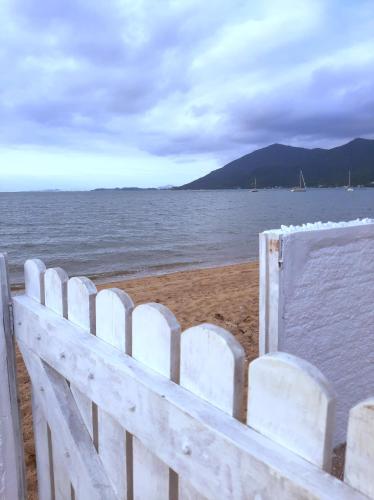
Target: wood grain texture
35	289
68	429
227	459
81	312
55	284
113	325
359	461
12	469
156	344
212	368
291	402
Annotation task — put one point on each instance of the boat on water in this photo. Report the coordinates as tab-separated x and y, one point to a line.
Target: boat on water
254	189
349	187
301	188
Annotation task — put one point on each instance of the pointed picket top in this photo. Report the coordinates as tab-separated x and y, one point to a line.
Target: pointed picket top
359	455
291	402
113	325
113	318
56	290
81	303
212	367
156	339
34	279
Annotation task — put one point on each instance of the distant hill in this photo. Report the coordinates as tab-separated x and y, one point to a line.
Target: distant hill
279	165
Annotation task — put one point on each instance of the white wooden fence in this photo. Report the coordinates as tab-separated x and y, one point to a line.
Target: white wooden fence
125	406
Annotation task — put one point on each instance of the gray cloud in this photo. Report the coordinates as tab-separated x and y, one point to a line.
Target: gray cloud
185	78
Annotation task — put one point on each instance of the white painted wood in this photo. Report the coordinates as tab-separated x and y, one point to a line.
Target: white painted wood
43	449
225	458
55	283
35	289
359	457
156	339
68	429
156	344
113	325
212	368
81	311
34	279
324	303
291	402
270	266
12	473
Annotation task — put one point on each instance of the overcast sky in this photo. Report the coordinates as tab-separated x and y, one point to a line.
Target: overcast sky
147	93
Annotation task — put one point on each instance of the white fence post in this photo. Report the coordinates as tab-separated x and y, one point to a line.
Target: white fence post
113	324
34	288
55	285
12	472
212	368
156	344
291	402
359	458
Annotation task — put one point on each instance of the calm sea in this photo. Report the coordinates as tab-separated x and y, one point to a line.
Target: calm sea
127	233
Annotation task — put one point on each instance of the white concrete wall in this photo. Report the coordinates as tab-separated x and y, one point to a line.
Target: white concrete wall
324	305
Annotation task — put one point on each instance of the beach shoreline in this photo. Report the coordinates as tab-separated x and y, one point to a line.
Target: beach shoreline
112	278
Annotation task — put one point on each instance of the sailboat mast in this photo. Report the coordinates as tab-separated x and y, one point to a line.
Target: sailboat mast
302	179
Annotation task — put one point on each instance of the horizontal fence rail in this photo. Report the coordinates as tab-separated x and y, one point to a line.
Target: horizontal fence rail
128	407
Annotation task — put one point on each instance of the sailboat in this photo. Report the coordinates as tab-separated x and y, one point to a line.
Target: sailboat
302	187
349	187
254	190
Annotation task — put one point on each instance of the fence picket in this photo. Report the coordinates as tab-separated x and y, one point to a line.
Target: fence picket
291	402
34	279
12	467
156	344
55	284
212	367
359	457
113	324
81	311
34	288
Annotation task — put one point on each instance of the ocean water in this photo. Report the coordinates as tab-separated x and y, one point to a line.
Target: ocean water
128	233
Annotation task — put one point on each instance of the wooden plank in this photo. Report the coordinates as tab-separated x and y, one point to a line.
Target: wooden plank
156	344
12	468
292	403
81	311
43	450
56	290
55	284
270	266
359	457
68	429
227	459
35	289
34	279
113	325
212	368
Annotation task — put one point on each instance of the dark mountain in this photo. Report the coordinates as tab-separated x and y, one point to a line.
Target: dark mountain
279	165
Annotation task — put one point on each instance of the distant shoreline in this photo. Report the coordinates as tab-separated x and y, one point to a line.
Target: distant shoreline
175	189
